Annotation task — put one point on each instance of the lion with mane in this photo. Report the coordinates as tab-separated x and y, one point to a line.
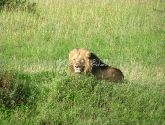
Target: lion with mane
83	61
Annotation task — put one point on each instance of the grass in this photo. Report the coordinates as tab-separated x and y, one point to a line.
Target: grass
33	60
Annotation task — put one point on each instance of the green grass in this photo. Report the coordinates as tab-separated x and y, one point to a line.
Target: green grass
34	50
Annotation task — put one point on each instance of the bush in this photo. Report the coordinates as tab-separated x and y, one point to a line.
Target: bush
17	4
16	89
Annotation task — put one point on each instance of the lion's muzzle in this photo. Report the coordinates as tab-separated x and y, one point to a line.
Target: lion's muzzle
77	69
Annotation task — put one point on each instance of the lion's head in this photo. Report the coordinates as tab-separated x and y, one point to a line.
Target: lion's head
79	61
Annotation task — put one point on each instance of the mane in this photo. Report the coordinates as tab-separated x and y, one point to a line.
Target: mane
97	63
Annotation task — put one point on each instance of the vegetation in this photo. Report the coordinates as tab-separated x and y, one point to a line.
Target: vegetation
17	4
35	86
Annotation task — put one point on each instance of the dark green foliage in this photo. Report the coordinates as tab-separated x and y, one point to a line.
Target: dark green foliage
16	89
17	4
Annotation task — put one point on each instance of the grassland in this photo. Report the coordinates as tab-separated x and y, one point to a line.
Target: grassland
34	48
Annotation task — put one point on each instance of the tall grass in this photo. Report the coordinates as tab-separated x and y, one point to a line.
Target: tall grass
127	34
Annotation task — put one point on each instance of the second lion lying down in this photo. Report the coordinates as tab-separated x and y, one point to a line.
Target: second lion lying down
83	61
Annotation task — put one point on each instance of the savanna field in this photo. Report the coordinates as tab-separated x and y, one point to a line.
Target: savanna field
36	87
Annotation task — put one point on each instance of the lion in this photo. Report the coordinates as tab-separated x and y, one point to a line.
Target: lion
83	61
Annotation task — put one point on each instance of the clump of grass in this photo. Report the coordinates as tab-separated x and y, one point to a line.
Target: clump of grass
80	99
83	100
17	4
16	89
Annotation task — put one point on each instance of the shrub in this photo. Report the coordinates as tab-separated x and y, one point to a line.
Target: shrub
17	4
16	89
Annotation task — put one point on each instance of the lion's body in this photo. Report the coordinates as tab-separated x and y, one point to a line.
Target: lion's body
88	62
109	73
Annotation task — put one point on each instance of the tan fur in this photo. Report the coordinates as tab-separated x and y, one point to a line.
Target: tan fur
110	73
92	64
75	58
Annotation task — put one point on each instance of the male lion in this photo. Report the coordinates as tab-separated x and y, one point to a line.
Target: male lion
83	61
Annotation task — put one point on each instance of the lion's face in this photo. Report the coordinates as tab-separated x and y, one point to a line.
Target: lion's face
79	60
78	64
